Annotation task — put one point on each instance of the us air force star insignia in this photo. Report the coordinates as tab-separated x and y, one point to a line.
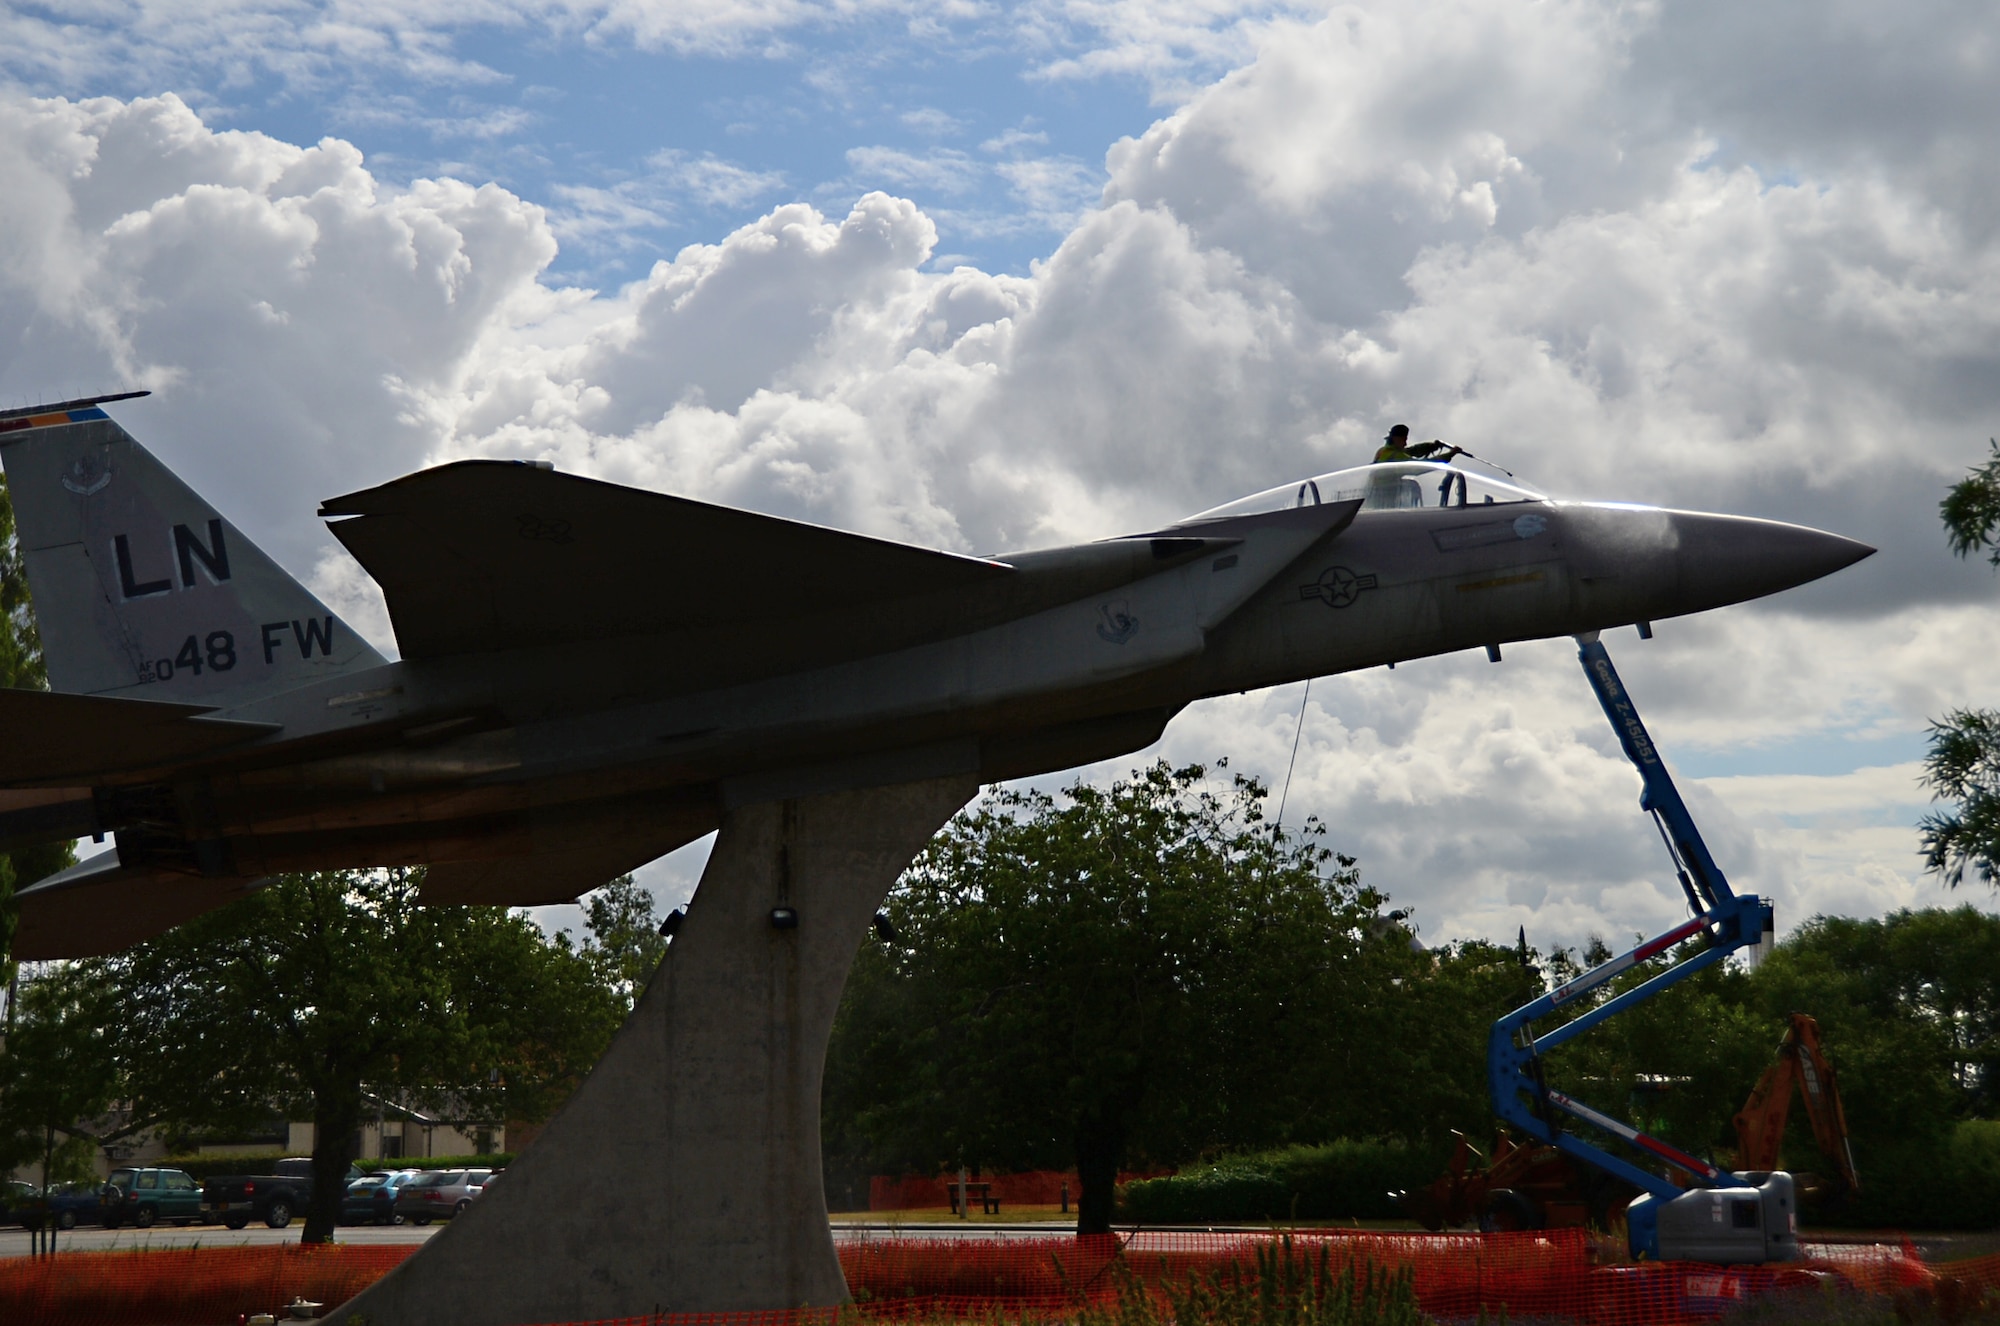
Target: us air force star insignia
86	478
1337	587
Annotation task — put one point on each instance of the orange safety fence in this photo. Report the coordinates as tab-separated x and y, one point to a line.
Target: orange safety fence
1037	1187
197	1286
1544	1275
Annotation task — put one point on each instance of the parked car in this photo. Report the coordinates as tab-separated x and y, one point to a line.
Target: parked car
142	1196
66	1205
439	1194
371	1199
237	1199
17	1202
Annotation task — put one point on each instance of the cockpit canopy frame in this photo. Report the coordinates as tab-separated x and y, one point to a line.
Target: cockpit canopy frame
1394	486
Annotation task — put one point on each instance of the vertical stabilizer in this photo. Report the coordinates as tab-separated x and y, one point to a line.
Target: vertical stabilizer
140	588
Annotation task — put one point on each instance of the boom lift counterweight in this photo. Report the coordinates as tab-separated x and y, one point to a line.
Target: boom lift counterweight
1726	1219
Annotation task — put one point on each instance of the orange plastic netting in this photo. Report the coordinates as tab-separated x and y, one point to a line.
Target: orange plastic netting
1546	1275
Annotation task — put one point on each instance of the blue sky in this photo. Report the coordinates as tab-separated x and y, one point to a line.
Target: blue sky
997	128
639	153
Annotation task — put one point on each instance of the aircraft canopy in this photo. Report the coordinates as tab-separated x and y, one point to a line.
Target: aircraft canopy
1399	485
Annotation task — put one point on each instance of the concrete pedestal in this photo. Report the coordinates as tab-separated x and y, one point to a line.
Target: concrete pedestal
684	1174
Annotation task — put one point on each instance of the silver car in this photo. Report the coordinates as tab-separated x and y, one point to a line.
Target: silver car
439	1194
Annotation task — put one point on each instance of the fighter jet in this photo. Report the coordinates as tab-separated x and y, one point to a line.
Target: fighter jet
590	675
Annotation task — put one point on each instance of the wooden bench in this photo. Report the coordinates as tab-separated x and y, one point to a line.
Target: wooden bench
974	1192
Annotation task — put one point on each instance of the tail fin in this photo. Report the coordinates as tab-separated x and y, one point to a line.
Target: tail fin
140	588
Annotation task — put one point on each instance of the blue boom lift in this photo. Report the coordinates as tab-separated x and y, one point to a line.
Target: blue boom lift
1727	1218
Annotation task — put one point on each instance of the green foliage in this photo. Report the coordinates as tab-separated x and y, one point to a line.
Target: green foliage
622	937
1348	1179
294	999
57	1067
1948	1180
20	643
1141	971
1910	1006
1287	1286
1971	510
1963	766
1678	1065
20	669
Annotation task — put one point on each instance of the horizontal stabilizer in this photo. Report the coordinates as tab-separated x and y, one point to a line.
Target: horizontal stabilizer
568	861
480	555
49	737
98	906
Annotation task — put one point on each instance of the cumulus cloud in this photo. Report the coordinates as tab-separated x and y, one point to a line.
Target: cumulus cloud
1558	234
291	314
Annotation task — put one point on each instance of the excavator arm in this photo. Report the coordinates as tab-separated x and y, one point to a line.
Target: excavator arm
1760	1126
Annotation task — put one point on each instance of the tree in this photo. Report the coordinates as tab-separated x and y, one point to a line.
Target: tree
20	669
1971	510
322	987
1135	973
57	1069
1678	1065
622	938
1963	765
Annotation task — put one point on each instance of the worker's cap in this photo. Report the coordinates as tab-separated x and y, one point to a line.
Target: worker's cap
1397	432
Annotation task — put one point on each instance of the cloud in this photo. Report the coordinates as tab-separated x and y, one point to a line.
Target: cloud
944	170
308	47
1555	234
288	310
932	122
713	182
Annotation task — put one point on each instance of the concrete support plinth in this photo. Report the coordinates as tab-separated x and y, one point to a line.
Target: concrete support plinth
684	1174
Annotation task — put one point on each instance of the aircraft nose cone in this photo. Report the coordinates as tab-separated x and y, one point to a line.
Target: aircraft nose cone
1639	563
1729	559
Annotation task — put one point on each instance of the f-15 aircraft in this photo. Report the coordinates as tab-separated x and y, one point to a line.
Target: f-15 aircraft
591	674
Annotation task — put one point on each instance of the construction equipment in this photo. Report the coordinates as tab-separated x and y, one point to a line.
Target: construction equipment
1760	1126
1535	1186
1526	1186
1729	1219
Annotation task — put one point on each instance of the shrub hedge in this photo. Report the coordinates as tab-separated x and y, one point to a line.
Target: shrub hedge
1348	1179
1952	1182
1949	1182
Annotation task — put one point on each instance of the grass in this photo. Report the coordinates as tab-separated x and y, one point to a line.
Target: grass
1947	1303
1285	1287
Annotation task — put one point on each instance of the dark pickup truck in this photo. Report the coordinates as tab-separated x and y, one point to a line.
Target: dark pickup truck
274	1198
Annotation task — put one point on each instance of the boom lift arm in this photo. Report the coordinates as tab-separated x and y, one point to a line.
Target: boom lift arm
1730	923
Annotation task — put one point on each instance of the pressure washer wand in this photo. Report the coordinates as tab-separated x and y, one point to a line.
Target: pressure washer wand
1482	460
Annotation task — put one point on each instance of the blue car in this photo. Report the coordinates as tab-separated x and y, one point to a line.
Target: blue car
17	1202
371	1199
66	1205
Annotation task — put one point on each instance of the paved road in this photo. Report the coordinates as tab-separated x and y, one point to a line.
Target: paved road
90	1238
14	1239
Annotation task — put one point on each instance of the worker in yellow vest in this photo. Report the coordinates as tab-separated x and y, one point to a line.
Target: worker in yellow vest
1397	447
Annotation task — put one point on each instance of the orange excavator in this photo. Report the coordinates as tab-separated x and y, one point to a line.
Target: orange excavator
1534	1186
1760	1126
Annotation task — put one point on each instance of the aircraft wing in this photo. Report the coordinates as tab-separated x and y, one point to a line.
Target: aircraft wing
571	857
49	737
98	906
480	555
